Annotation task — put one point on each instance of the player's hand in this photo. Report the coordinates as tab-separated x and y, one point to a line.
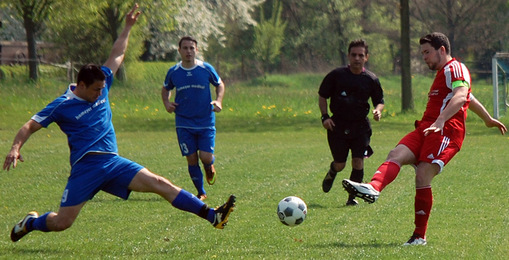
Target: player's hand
132	16
433	128
171	107
377	115
12	159
217	106
495	123
328	124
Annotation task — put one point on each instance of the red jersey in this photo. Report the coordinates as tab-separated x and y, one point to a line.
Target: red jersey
440	93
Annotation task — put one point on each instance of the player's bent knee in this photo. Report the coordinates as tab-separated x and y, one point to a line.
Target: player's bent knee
61	224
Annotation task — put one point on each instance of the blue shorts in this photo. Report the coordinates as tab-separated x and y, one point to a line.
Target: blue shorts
94	172
191	140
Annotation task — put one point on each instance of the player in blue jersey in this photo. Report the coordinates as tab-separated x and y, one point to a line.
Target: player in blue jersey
194	110
83	113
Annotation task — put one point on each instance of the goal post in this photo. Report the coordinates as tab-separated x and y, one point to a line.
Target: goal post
500	71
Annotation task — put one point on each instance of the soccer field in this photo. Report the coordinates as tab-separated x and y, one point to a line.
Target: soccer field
268	147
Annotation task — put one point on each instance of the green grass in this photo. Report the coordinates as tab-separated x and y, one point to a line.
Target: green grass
270	144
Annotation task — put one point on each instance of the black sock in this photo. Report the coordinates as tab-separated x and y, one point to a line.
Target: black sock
357	176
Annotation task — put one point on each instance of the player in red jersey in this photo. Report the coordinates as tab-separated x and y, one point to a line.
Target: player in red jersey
437	137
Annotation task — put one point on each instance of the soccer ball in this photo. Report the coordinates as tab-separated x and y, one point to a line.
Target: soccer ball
292	211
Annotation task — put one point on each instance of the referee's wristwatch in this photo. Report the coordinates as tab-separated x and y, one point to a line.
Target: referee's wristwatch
325	117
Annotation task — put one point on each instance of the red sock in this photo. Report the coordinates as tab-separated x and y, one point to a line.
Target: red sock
423	203
385	174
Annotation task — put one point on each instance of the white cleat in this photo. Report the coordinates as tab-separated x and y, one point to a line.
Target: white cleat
362	190
416	241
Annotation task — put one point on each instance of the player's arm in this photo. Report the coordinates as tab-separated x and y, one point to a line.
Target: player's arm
120	46
458	99
218	103
478	108
165	96
22	136
327	122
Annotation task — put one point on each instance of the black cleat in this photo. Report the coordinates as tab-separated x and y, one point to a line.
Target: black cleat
223	212
20	229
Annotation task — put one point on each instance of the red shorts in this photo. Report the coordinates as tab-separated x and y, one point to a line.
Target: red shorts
439	147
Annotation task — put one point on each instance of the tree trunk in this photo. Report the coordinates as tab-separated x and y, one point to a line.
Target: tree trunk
406	77
32	48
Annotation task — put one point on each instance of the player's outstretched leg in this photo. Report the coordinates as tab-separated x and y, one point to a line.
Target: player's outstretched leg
362	190
21	229
223	212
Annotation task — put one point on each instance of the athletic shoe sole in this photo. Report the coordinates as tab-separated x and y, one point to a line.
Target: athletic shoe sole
369	195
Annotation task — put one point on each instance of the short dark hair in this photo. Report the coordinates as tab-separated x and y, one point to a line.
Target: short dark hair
358	43
90	73
437	40
188	38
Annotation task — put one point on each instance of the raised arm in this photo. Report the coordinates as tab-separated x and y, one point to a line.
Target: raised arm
22	136
120	46
478	108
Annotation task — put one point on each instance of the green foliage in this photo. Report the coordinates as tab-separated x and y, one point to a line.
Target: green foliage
269	36
86	36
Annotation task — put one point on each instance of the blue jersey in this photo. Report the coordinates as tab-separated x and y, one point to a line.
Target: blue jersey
193	94
87	125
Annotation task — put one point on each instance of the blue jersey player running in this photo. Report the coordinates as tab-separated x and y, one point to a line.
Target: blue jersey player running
83	113
194	110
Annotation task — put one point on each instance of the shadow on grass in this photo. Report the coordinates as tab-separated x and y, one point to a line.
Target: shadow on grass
374	244
25	252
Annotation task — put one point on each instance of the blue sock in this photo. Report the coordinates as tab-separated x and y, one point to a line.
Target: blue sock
190	203
39	223
197	178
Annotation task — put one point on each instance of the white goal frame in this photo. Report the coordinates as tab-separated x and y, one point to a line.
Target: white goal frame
497	69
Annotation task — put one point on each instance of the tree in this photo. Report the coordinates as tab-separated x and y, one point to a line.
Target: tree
466	23
269	35
34	13
87	36
204	19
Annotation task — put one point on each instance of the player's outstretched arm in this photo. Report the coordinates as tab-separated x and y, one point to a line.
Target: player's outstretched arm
22	136
120	46
478	108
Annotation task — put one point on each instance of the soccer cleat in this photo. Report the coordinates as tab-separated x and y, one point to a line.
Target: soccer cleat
223	212
210	173
328	180
352	202
362	190
202	197
20	229
416	241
